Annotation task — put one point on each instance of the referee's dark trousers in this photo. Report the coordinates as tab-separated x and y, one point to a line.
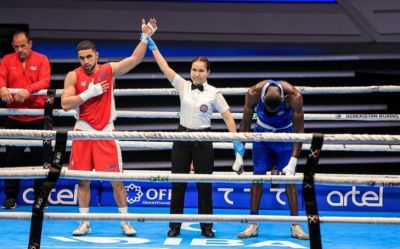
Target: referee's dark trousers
202	154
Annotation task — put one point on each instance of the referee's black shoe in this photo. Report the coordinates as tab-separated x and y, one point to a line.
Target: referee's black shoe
174	231
207	232
9	203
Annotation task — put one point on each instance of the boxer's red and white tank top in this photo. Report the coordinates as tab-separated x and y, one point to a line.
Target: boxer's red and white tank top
98	111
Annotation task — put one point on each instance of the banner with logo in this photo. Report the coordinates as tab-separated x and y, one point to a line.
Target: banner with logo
225	195
65	192
357	198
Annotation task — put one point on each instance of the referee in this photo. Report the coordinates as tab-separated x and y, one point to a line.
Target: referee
198	101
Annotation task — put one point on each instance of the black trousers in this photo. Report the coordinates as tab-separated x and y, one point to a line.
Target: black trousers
15	156
202	155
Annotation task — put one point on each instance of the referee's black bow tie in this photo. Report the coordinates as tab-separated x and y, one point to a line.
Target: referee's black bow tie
199	86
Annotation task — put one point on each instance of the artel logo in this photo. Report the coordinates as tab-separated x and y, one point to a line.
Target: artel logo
63	196
359	199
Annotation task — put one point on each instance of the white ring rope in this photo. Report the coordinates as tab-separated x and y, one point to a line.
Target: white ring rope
203	136
392	181
154	114
243	90
159	176
199	218
168	145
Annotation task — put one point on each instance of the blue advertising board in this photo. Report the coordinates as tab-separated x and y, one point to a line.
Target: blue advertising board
225	195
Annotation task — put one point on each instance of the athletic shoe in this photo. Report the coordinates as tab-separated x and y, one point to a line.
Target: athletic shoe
82	229
10	204
127	229
298	232
250	231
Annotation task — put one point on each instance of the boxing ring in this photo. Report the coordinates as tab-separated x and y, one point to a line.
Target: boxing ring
334	229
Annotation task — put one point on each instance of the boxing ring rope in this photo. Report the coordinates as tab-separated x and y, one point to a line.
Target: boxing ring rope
150	114
331	139
220	145
200	218
243	90
203	136
322	179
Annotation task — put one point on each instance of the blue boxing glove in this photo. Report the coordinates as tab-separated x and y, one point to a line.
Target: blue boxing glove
151	44
239	148
239	153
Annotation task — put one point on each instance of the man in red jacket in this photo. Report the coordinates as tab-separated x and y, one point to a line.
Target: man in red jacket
30	72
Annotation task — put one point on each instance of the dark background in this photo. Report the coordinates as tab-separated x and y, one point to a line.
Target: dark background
339	43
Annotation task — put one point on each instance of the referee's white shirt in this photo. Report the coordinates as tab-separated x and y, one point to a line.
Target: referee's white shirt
197	106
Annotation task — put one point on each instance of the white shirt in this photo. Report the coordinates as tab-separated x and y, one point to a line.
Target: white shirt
197	106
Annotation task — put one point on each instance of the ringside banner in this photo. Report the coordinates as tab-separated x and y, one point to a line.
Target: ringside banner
225	195
65	193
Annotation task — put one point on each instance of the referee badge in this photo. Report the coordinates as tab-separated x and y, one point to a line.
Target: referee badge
204	108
